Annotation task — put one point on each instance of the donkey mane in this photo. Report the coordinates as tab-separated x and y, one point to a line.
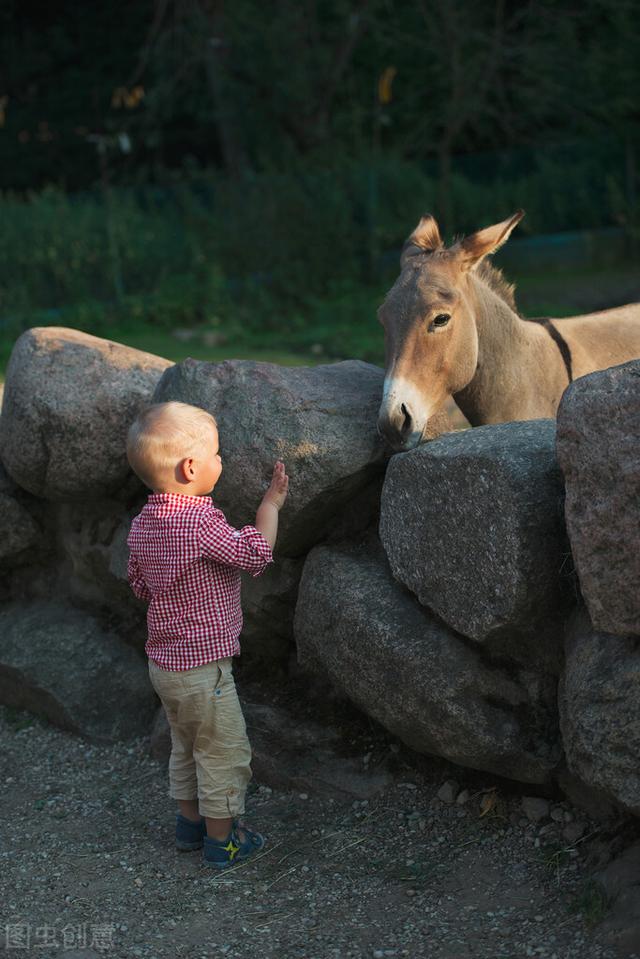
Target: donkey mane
494	279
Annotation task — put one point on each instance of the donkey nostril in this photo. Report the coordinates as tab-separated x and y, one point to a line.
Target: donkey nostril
407	418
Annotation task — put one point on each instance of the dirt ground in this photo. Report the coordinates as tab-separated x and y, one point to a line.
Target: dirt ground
89	868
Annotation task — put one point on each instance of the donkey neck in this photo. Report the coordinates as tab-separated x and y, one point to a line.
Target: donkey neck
516	358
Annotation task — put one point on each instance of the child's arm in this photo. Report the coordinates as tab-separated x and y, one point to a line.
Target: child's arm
136	580
272	502
249	548
244	548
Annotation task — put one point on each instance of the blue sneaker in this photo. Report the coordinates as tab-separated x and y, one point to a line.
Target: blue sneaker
223	853
189	834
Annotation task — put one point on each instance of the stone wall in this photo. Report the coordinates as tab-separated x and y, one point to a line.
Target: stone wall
478	596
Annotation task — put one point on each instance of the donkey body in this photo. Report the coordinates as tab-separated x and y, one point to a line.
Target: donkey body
452	329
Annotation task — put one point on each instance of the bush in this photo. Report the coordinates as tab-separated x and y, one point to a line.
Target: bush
263	253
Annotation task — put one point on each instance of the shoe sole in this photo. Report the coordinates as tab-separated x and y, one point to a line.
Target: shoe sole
228	865
188	846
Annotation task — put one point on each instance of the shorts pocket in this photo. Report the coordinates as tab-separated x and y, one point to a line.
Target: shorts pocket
217	680
224	676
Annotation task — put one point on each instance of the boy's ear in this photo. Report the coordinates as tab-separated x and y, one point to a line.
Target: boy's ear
186	470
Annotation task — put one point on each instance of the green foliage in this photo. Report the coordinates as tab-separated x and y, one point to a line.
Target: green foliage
297	262
54	248
306	257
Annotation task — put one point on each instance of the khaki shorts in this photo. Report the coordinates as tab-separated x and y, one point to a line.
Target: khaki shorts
210	753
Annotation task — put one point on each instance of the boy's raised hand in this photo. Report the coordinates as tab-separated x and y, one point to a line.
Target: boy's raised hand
279	487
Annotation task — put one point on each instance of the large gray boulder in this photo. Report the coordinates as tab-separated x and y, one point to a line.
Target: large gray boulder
69	400
91	543
472	524
620	884
599	703
599	452
20	533
321	421
598	805
60	663
357	626
268	605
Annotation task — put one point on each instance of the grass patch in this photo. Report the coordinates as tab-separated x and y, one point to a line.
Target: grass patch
554	856
165	343
18	719
340	326
591	902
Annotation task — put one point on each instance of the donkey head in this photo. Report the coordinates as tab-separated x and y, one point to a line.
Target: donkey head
430	335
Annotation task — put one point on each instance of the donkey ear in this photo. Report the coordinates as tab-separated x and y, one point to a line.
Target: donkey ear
470	250
424	239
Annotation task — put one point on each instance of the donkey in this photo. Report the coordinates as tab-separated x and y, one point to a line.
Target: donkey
451	329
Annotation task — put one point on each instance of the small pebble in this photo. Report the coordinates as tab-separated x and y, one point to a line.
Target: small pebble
535	808
448	791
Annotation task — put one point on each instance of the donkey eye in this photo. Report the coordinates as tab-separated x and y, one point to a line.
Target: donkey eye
440	320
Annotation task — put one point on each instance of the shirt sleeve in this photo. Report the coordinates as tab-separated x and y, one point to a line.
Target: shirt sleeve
136	579
244	548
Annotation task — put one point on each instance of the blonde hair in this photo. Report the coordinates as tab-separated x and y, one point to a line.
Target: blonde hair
163	434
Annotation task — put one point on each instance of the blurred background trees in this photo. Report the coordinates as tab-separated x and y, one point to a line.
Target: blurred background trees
192	161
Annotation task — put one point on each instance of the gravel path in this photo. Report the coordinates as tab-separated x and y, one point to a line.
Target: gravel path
88	866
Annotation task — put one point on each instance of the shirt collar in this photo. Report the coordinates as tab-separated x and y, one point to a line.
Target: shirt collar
178	500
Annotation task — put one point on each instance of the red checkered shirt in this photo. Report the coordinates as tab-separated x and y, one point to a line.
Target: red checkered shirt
186	559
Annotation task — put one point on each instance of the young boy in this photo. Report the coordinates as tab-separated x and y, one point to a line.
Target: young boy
185	559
